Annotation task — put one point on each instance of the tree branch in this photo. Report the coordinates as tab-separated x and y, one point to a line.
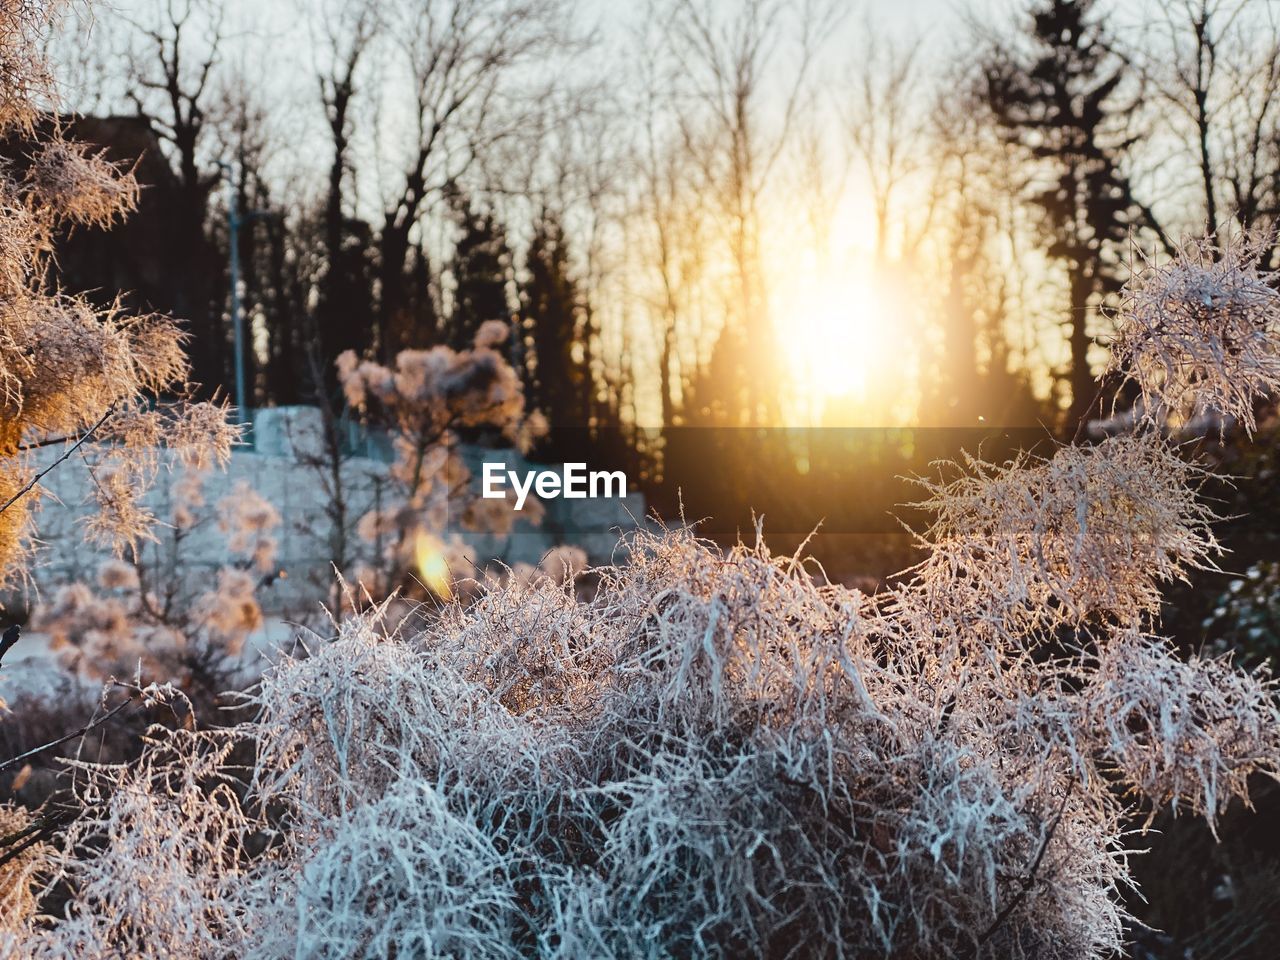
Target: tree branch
30	485
87	728
1030	879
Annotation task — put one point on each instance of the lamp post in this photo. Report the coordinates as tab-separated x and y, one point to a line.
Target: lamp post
234	221
237	321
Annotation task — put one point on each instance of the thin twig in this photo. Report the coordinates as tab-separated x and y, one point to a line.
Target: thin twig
47	442
39	830
47	470
1083	425
1029	880
91	725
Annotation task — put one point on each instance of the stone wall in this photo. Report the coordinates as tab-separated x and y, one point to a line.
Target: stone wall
284	467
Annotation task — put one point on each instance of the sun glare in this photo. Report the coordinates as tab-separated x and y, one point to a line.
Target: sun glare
833	331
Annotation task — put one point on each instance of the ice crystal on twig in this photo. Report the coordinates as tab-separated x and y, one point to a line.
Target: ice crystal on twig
1201	333
1091	530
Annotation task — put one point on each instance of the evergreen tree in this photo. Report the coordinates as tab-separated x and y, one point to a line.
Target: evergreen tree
423	316
481	269
343	315
557	368
1056	101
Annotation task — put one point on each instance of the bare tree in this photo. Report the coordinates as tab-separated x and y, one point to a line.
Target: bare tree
174	52
1251	134
1215	67
572	171
885	116
976	244
674	229
462	59
170	86
348	30
743	76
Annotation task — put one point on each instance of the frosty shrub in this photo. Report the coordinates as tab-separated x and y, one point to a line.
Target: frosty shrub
152	611
176	808
70	370
1201	334
429	399
1093	530
715	753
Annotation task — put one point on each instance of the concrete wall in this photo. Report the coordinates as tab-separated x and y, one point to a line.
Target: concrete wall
276	467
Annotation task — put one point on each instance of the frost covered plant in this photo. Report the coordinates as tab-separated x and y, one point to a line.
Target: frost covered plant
146	609
382	853
18	876
177	808
1201	333
560	565
1183	731
1090	530
563	563
68	369
714	754
429	399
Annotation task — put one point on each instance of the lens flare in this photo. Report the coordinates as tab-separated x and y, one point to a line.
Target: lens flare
433	566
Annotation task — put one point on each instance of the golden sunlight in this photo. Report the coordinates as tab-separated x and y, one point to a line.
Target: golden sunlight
834	335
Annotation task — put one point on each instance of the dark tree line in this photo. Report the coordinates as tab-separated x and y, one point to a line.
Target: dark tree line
321	275
1036	141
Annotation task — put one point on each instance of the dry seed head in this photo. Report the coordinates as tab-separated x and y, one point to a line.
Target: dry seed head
64	363
1093	529
1182	732
1201	333
76	184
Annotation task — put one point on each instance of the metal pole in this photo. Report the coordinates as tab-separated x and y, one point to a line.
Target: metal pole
237	320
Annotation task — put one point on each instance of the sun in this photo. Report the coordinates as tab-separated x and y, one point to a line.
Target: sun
832	331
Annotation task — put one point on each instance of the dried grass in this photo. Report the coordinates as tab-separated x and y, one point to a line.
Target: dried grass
715	755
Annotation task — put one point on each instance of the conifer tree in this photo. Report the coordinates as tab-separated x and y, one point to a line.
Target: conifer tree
481	268
1057	100
556	368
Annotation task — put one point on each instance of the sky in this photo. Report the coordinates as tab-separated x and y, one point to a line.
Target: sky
271	49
